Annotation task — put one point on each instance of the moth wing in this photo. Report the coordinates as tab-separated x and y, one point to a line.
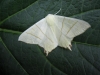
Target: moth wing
67	28
41	34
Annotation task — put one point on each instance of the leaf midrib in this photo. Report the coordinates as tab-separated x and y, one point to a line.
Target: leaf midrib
18	32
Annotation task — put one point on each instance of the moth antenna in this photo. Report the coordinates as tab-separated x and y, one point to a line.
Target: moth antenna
58	11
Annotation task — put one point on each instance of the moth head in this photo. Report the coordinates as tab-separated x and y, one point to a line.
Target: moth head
50	16
50	19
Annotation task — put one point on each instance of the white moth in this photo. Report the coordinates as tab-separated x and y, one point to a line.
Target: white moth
53	31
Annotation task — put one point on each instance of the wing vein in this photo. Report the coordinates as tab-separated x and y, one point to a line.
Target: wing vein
72	27
61	28
34	35
44	34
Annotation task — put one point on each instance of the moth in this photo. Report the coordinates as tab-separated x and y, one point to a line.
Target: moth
53	31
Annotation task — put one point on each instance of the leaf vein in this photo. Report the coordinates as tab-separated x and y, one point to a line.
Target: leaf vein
13	56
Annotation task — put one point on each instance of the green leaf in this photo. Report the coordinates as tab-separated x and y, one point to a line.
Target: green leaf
18	58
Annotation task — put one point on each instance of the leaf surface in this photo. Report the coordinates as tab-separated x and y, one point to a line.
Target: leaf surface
18	58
